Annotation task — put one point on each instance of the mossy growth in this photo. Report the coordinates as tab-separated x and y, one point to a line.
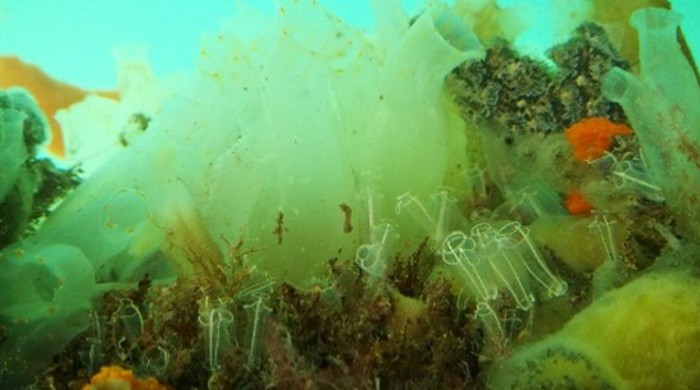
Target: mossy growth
337	329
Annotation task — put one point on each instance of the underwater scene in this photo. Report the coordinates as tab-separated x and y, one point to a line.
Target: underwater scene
302	194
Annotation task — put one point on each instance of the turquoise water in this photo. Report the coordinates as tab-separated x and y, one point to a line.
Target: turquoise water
73	39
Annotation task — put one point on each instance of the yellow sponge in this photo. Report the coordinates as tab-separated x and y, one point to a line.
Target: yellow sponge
643	336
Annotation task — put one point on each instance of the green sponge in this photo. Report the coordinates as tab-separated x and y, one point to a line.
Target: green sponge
45	298
661	104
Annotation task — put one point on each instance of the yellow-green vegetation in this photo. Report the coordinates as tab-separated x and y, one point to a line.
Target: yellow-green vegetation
641	336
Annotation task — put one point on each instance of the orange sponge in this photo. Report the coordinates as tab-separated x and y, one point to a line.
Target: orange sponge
576	203
591	137
115	377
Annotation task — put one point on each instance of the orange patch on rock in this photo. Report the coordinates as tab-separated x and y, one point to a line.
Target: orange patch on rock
115	377
591	137
576	203
51	95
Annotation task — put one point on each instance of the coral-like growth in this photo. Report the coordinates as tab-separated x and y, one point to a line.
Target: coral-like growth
373	258
633	176
501	258
435	219
216	322
525	95
505	88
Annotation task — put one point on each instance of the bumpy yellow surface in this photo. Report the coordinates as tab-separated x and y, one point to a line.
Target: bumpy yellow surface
643	336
